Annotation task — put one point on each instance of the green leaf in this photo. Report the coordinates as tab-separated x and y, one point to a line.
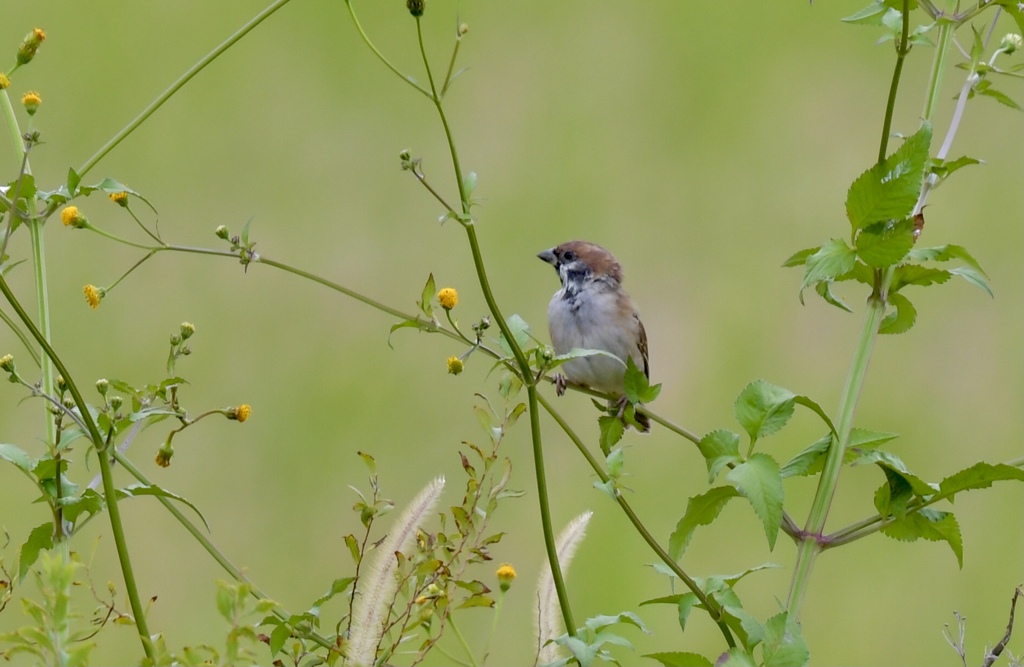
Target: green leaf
825	292
870	15
135	490
832	260
1013	8
278	637
402	325
783	644
735	657
974	277
578	352
931	525
888	191
353	548
883	244
810	461
763	408
477	601
759	480
18	456
900	320
520	331
426	302
89	502
978	476
1000	97
701	510
612	429
638	387
915	274
944	253
73	180
943	169
720	448
891	462
680	659
337	586
799	258
40	539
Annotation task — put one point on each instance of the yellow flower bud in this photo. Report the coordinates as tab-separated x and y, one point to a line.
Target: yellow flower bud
119	198
31	102
4	81
506	575
7	363
241	413
455	365
448	298
28	48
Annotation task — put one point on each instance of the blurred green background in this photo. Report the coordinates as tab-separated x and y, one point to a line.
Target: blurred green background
703	142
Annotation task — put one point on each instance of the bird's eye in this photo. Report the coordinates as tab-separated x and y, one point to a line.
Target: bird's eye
568	256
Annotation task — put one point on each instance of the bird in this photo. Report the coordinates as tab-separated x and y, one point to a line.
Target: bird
593	311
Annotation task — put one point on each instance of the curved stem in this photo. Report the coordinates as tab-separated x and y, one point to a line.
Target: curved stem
108	484
376	52
174	87
712	607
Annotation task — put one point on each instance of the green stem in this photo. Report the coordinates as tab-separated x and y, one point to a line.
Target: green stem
462	640
210	548
810	544
902	49
174	87
938	68
108	485
517	352
380	56
712	607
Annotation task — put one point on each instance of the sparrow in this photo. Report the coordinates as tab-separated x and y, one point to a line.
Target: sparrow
592	311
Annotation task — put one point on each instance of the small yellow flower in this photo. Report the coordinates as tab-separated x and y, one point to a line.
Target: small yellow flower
31	102
506	575
448	298
4	81
72	217
455	365
94	295
241	413
119	198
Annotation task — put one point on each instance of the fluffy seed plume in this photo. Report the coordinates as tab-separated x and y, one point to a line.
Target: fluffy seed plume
549	615
377	587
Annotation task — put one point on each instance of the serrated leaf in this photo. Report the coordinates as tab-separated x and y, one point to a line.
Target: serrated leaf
612	430
759	480
520	332
73	180
890	462
720	448
477	601
810	461
783	644
763	408
931	525
944	168
979	476
944	253
337	586
901	319
278	637
881	245
888	191
638	388
40	539
680	659
832	260
701	510
915	274
578	352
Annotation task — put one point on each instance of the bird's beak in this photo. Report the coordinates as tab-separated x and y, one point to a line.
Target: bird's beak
548	256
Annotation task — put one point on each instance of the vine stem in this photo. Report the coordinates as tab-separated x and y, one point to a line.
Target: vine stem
810	543
174	87
108	485
521	361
